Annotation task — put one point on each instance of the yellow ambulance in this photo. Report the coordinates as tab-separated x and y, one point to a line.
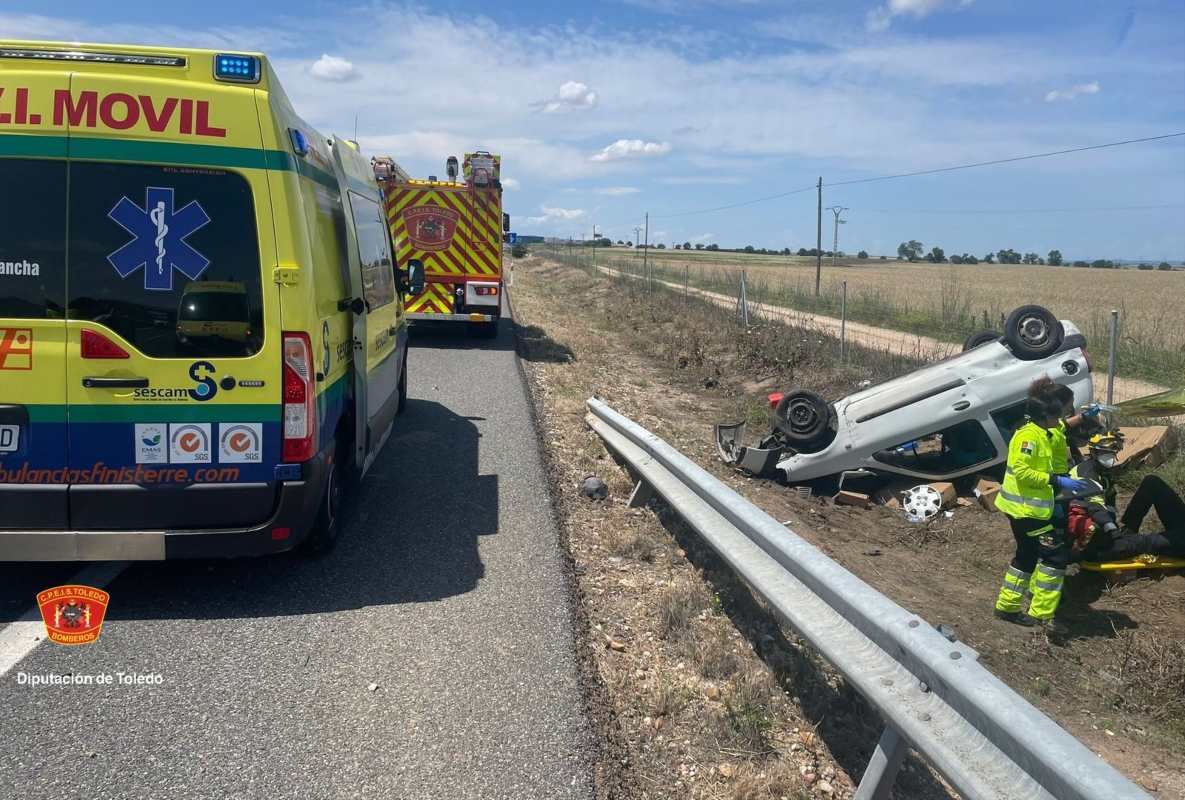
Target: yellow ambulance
202	334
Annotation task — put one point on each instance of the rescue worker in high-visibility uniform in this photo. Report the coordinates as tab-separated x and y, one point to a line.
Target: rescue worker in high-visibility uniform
1100	534
1026	497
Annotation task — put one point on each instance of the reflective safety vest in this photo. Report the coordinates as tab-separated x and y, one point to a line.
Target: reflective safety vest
1026	493
1061	449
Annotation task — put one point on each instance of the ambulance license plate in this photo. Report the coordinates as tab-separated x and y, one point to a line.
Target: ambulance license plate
10	438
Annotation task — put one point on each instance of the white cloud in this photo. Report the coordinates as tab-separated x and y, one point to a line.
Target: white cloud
627	148
1058	95
572	95
881	17
617	191
555	215
703	237
333	68
511	183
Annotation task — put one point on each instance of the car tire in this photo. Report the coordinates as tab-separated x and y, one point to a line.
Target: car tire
806	420
1033	332
399	409
982	337
327	526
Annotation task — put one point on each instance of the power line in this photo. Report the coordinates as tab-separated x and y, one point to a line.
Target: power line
916	173
1011	160
737	205
1080	209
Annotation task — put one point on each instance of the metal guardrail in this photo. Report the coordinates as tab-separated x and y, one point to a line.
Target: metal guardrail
932	692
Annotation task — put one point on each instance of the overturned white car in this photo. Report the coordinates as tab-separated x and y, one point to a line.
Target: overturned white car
941	422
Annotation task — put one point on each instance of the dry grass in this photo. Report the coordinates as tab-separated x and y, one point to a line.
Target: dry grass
748	717
949	301
1152	672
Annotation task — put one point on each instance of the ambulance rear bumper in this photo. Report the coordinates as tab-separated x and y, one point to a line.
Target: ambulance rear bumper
296	508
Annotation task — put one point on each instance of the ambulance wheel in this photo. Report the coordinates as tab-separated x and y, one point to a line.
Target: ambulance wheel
983	337
327	526
808	421
1033	332
399	409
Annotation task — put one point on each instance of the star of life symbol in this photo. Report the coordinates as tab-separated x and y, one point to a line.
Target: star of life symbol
159	245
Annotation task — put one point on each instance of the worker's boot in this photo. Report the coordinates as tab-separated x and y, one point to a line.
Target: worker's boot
1056	631
1016	618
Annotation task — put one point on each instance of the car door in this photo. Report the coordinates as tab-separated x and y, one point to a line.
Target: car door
380	337
172	369
33	168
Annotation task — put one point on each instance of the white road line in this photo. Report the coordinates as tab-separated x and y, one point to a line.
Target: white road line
21	637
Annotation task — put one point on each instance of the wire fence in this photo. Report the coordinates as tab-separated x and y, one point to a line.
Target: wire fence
1127	364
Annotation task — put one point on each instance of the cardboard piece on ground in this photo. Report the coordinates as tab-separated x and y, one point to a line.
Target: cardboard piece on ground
986	490
947	490
890	495
849	498
1142	447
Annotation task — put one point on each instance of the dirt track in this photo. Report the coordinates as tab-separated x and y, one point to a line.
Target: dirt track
898	342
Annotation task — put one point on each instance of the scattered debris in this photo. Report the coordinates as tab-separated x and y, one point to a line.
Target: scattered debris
1142	447
846	498
594	488
922	503
372	687
986	490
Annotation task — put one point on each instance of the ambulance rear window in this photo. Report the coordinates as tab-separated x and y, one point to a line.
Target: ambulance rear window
32	238
167	257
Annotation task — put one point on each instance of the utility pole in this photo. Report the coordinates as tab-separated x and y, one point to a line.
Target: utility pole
594	245
819	241
837	210
637	237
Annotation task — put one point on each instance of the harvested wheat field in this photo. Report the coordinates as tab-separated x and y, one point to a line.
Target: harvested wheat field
949	301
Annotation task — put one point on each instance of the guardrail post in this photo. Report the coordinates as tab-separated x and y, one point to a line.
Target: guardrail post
882	767
1113	357
641	495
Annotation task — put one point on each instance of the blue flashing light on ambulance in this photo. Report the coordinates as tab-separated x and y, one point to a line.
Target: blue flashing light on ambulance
205	336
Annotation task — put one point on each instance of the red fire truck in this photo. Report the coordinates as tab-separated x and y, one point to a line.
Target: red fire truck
455	229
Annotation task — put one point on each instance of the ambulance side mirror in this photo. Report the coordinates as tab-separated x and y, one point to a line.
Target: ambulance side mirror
505	223
415	276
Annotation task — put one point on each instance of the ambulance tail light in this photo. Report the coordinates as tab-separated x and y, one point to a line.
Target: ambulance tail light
300	413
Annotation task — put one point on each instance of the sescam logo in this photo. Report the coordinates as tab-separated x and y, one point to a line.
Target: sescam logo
159	245
200	372
73	614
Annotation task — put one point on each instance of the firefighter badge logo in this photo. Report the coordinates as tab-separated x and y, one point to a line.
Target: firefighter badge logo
73	614
430	228
1027	448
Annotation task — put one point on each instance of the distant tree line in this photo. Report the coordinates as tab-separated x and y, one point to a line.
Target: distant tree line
911	251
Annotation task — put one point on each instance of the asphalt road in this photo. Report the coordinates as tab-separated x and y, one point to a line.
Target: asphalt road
446	593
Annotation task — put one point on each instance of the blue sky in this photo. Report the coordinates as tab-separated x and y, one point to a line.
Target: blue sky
613	109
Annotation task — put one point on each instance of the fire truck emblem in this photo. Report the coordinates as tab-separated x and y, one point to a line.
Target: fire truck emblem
430	228
73	614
